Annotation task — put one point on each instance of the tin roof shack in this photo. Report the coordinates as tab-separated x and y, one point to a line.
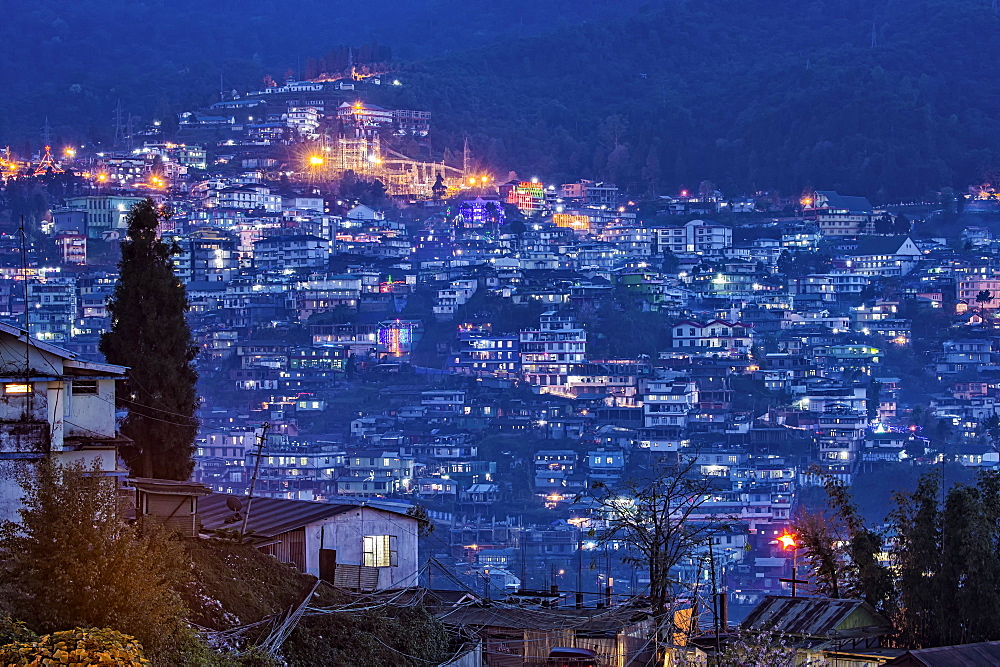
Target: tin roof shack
52	404
516	637
356	546
824	628
964	655
168	503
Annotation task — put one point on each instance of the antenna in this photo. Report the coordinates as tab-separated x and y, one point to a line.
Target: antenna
874	36
119	130
47	133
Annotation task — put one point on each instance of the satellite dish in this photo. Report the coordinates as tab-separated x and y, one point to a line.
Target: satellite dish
234	503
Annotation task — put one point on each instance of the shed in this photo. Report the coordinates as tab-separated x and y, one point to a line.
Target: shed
963	655
358	546
820	625
168	503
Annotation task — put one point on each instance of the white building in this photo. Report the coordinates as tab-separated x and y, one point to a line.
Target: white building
696	236
717	337
60	407
548	353
355	546
668	402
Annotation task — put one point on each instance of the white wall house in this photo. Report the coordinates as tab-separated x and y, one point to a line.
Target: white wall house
357	546
52	404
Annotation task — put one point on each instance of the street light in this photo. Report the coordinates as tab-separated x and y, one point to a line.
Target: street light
789	541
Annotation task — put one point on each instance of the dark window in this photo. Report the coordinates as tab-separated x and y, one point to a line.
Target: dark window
84	386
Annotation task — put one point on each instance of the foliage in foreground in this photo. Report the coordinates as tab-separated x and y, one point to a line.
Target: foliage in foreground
942	584
73	561
82	646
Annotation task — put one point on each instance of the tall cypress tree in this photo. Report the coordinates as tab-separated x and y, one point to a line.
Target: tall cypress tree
150	335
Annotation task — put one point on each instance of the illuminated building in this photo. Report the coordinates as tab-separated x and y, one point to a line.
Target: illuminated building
836	214
72	247
364	115
479	212
580	223
397	337
528	196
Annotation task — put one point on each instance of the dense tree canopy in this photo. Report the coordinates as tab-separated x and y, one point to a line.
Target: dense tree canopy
150	335
885	99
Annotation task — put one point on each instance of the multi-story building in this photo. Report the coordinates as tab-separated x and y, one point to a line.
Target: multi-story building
971	284
482	353
840	434
291	253
103	213
527	196
667	403
717	337
697	236
547	354
52	308
206	256
838	215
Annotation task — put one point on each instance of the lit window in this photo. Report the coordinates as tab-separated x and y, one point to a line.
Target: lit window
380	551
17	388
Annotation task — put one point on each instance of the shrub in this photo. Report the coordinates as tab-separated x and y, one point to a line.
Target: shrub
82	646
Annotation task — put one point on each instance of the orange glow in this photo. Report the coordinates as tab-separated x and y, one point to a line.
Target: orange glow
788	541
315	160
102	177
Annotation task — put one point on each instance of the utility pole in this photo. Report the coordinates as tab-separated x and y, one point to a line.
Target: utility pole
261	439
27	329
715	598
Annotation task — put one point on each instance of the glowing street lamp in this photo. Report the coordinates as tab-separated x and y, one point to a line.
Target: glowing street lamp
316	161
787	541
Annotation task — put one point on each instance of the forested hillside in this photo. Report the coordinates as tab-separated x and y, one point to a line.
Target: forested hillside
887	99
160	55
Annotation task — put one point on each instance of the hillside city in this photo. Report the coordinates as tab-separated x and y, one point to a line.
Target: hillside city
412	334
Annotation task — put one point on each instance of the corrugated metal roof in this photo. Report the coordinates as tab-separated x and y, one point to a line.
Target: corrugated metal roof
965	655
268	516
591	620
807	617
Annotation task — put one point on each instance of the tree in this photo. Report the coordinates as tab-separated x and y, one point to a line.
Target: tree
654	519
74	561
843	552
901	225
150	335
884	224
984	297
917	560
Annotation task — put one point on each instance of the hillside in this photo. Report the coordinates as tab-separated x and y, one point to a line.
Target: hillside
72	62
749	94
